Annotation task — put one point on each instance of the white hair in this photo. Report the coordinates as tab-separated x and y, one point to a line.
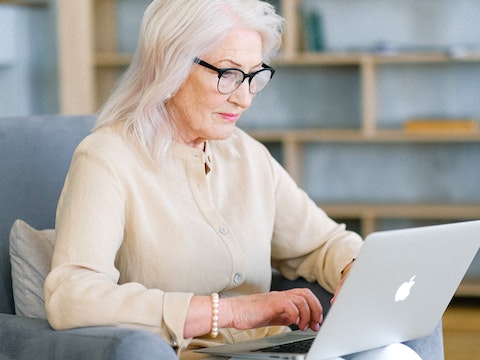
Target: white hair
173	33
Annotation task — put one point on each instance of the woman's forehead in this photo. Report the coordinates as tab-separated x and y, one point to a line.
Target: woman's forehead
240	46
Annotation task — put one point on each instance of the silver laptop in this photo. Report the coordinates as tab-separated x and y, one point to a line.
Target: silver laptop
397	290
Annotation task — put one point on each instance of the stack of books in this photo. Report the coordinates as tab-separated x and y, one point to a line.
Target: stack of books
441	125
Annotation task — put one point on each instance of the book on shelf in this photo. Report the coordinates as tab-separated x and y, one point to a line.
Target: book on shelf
441	125
313	30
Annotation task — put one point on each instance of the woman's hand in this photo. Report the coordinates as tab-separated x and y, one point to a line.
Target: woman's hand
295	306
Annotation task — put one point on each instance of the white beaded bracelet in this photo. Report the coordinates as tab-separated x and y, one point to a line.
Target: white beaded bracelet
215	312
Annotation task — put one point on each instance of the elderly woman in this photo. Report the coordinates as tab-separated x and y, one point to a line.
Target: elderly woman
168	205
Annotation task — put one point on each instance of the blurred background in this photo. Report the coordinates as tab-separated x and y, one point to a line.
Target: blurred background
352	76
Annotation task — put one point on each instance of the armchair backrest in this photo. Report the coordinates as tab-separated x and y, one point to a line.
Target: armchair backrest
35	153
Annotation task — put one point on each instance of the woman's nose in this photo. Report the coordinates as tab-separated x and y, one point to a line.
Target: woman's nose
242	96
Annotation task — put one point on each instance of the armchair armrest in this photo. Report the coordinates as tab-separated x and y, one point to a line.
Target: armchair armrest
26	338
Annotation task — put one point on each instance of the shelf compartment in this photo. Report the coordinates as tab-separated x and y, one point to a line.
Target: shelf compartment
369	65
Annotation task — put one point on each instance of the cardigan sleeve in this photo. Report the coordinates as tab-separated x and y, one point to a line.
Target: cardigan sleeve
83	288
306	242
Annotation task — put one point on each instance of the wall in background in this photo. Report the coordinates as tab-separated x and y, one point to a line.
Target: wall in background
28	60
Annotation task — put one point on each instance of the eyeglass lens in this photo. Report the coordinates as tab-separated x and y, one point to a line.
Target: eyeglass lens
230	80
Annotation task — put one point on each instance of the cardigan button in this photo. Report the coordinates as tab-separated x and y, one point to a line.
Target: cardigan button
223	230
237	278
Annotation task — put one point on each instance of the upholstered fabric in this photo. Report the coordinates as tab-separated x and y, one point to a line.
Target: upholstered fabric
25	339
35	153
31	257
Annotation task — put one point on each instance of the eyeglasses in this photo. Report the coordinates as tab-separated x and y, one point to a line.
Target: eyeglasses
230	79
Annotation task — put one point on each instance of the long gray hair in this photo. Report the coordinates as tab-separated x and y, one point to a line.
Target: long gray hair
173	33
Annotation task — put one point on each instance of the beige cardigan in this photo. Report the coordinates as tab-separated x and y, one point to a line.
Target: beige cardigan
135	240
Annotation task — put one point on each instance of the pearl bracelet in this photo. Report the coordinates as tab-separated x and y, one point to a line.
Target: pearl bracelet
215	312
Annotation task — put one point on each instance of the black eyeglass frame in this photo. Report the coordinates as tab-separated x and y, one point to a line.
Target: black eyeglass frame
245	75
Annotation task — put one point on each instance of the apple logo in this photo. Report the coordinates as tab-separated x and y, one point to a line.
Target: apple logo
404	290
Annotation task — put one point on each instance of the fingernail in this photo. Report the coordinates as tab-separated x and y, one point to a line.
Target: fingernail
321	319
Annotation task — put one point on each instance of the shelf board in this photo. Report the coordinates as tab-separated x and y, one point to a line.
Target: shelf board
359	136
469	288
421	211
328	59
424	58
370	213
315	59
360	58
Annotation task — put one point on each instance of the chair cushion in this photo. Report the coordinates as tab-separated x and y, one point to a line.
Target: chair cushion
31	254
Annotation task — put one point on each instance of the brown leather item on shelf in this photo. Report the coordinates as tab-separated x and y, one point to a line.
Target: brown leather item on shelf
441	125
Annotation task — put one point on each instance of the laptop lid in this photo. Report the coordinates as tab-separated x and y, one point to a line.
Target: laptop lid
397	290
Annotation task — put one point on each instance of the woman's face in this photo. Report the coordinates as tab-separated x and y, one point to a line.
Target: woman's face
199	111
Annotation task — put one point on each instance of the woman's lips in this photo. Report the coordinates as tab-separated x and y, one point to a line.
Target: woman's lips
230	117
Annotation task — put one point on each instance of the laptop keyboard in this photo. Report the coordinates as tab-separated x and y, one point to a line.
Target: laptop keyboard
297	347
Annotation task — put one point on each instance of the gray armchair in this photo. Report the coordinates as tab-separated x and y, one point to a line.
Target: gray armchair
35	153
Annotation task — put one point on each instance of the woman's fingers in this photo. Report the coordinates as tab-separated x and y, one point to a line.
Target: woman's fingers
295	306
309	308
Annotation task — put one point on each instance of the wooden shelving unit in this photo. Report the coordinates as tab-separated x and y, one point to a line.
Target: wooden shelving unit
293	141
89	61
368	64
90	65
